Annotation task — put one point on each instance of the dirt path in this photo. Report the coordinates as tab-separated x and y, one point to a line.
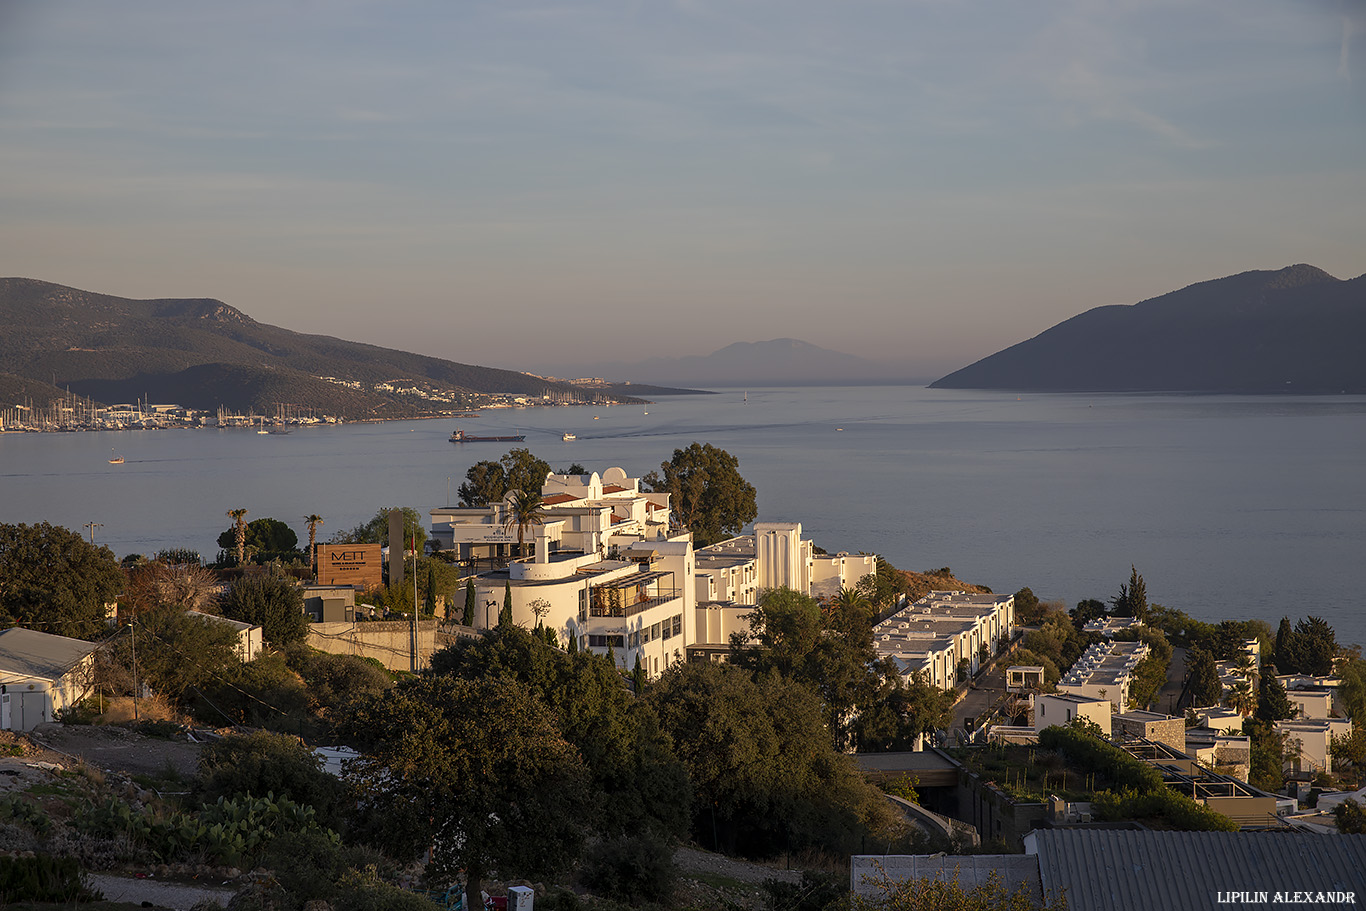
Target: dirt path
179	896
691	861
109	747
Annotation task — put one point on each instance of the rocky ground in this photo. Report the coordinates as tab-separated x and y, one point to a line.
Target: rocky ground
117	749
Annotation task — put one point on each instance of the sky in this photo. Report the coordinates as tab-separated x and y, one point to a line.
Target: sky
522	184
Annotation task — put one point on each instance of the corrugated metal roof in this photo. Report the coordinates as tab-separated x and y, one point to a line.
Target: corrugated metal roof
29	653
1125	870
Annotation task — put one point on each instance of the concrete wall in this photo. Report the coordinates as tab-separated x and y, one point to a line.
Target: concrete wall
388	641
995	815
1168	730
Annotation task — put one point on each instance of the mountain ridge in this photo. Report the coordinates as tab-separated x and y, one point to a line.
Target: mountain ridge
1293	330
203	353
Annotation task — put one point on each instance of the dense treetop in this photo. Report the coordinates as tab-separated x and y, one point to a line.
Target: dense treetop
54	581
706	492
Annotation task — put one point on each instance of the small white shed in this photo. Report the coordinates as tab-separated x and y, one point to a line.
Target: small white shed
40	674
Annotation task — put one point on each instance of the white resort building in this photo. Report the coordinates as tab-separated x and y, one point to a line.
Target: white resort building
942	629
607	568
1104	671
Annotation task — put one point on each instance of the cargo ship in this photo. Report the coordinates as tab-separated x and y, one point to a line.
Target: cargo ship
461	436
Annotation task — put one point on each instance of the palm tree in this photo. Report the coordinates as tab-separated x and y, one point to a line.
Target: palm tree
313	522
525	509
239	518
1241	698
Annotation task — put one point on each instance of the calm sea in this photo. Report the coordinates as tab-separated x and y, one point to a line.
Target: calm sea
1229	507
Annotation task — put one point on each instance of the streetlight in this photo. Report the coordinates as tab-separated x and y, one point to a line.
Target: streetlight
487	606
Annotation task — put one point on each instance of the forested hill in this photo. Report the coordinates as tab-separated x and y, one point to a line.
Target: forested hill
1296	330
203	353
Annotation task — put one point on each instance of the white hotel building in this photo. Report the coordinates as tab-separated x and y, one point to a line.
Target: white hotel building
1105	671
606	568
934	634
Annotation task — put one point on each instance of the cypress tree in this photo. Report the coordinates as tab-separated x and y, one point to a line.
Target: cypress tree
1203	679
1285	636
505	615
468	619
1272	704
638	677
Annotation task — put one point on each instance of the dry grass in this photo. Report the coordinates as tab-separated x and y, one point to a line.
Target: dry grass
119	710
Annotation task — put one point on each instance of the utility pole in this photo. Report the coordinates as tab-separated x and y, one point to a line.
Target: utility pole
92	526
133	636
417	653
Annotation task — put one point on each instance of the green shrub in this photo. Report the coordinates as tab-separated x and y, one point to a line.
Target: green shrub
364	890
233	832
1177	811
264	763
631	869
1092	754
816	892
42	879
307	863
16	809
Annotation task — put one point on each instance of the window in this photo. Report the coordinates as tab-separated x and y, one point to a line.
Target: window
583	606
678	624
655	631
606	641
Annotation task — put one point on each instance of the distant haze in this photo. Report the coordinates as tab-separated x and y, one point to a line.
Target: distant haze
777	362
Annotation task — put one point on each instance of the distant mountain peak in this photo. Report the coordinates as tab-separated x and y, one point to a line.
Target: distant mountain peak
1299	275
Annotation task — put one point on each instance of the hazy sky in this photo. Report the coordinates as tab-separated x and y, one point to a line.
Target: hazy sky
519	184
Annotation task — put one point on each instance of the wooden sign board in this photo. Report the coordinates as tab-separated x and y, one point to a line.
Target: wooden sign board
350	564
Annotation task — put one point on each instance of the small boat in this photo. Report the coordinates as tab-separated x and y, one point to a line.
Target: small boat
263	430
461	436
568	436
115	458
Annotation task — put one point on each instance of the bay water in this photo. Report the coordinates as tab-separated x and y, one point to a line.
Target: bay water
1230	507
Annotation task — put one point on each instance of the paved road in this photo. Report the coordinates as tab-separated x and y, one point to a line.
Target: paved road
990	686
1171	690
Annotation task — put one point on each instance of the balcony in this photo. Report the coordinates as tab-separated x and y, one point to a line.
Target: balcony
631	595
